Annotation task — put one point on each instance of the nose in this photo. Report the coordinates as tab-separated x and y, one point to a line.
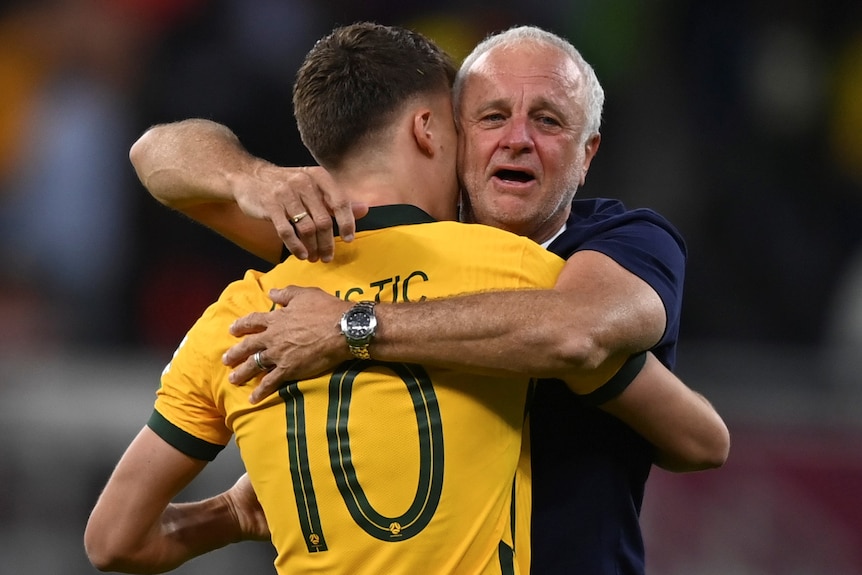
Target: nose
517	136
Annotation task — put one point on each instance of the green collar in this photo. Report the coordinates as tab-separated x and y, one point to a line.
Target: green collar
380	217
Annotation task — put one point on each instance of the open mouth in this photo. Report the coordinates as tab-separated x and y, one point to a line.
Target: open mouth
514	176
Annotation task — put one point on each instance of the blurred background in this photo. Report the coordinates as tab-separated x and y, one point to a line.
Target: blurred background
741	121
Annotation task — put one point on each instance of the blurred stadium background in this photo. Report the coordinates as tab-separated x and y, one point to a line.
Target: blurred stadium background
741	121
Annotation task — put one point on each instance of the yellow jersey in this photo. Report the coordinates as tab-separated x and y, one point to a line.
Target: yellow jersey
376	467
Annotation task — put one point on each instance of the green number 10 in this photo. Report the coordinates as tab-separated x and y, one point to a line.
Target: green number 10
430	435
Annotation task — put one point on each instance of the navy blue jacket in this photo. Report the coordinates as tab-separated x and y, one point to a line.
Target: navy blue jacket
590	469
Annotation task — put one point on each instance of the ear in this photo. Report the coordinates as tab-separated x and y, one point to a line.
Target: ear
422	131
590	149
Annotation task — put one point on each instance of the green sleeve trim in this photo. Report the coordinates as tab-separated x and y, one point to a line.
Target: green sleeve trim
618	383
183	441
507	559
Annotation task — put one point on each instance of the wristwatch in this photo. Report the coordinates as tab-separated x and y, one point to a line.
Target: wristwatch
358	325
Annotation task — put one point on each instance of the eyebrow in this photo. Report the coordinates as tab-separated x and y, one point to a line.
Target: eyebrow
496	103
541	103
545	104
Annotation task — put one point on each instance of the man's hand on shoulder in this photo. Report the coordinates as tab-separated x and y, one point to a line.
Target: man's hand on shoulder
300	203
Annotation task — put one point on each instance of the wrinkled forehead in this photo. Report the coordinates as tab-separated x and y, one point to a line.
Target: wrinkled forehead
525	68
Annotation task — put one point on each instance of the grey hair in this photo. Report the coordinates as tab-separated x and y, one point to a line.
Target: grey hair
594	95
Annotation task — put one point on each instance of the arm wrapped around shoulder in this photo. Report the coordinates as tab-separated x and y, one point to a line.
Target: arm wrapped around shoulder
618	383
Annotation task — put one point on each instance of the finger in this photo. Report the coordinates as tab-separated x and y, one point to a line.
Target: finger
240	352
346	216
327	200
316	227
322	243
282	296
338	203
288	233
316	230
325	238
252	323
244	372
268	385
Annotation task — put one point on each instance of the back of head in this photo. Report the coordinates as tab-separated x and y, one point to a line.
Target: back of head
592	92
354	82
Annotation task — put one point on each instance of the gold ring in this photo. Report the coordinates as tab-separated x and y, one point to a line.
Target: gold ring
298	217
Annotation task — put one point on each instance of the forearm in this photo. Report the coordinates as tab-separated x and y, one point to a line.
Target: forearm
686	431
200	169
183	532
707	446
134	527
598	312
499	332
190	162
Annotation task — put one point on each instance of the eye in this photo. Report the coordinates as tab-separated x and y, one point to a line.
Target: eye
548	121
492	118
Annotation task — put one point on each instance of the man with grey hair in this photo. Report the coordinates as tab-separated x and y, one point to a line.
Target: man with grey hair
528	108
516	60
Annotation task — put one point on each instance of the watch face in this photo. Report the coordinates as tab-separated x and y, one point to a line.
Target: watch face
359	323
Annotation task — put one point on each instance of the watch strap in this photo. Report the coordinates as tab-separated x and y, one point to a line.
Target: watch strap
360	351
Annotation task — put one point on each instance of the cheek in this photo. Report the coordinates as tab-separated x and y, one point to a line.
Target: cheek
571	178
563	165
467	167
474	145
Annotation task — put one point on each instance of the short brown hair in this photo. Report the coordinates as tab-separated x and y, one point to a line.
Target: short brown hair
356	78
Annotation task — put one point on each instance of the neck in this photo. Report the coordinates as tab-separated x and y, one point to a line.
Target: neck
542	234
381	187
372	187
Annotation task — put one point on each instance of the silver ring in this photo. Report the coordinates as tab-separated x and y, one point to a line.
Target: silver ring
259	363
297	217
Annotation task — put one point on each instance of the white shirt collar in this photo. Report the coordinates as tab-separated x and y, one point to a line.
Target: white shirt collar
547	242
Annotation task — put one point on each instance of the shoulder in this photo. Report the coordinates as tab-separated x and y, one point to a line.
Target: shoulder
472	251
459	232
483	238
208	337
608	221
603	213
